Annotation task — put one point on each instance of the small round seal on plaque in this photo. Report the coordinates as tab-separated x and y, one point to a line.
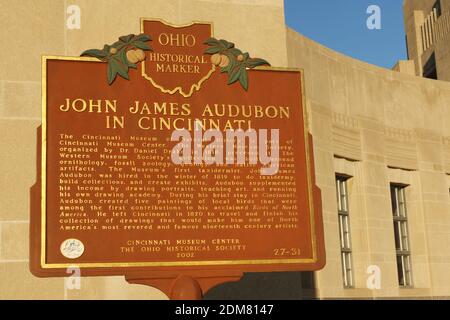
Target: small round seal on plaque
72	248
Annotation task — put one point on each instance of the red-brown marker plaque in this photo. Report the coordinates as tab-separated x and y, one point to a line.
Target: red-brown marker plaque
110	200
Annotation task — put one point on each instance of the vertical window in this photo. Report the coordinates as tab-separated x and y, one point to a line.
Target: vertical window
401	235
344	231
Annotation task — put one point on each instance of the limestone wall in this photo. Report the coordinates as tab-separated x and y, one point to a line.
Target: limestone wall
380	127
426	36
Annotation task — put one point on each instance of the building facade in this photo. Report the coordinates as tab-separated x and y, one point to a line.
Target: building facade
427	25
381	143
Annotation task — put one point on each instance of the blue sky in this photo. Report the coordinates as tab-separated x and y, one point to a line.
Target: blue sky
341	25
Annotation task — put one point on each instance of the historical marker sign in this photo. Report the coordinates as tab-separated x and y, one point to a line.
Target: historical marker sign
112	197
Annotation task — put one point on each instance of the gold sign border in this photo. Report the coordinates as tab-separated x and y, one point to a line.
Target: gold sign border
45	265
196	86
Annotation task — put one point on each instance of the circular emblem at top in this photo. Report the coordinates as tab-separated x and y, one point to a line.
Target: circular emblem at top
72	248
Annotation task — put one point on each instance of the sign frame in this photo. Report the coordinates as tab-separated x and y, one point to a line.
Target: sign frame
152	273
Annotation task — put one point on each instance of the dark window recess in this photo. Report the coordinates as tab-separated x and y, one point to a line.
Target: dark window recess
407	46
429	70
437	6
